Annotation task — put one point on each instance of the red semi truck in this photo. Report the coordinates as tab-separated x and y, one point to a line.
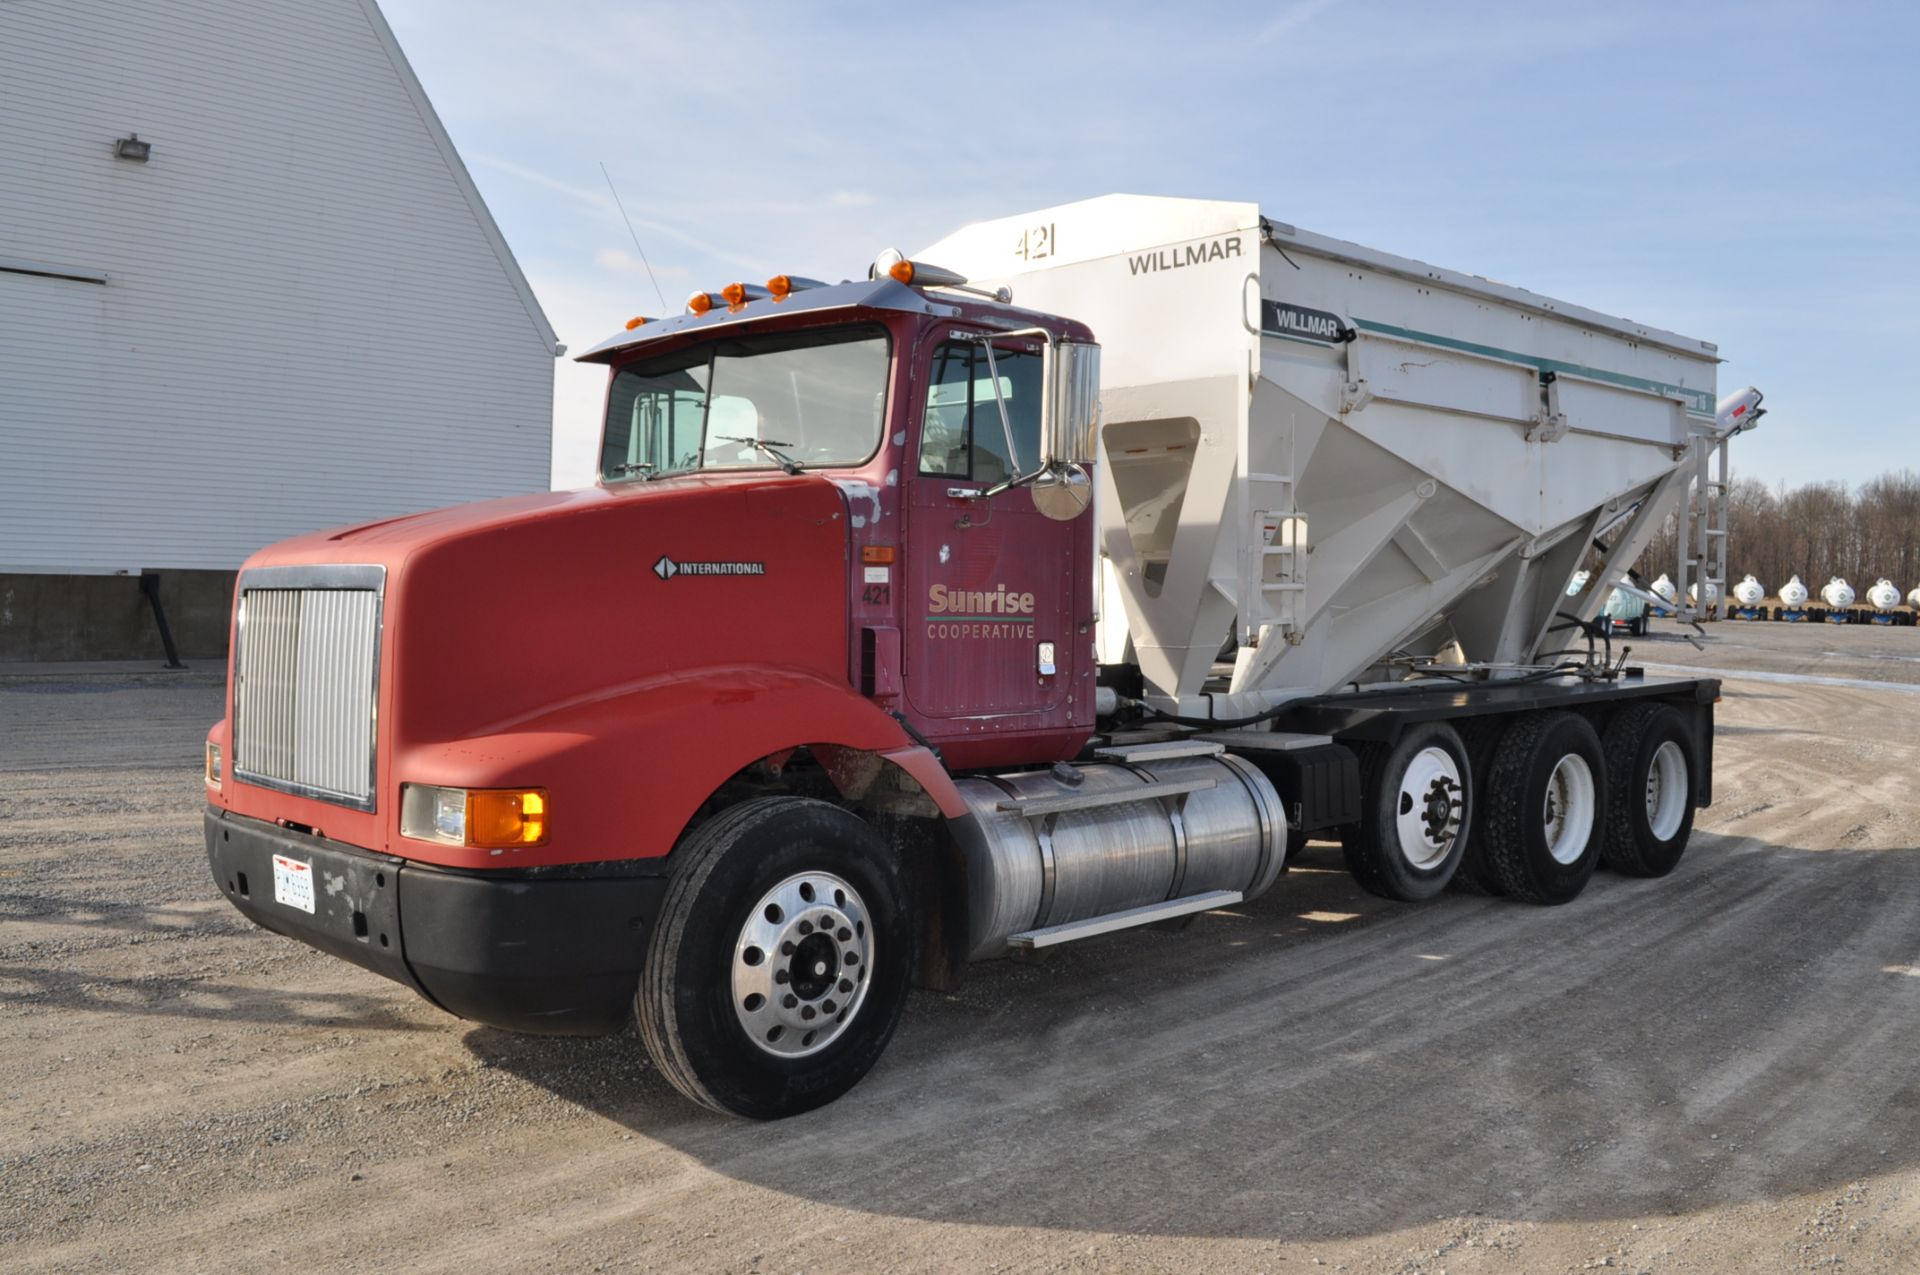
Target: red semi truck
802	699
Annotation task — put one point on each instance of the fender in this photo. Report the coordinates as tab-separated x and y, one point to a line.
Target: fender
627	768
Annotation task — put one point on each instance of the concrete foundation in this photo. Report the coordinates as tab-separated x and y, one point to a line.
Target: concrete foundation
47	618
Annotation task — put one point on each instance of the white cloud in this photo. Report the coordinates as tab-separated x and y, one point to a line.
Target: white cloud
1291	19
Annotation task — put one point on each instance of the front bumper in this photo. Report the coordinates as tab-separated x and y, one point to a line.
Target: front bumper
551	950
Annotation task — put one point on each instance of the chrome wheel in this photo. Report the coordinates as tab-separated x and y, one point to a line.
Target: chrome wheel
1427	812
802	964
1666	790
1569	809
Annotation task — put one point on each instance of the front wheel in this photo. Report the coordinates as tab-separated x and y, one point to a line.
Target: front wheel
781	962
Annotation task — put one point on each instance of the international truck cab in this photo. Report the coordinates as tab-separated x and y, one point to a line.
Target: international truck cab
881	646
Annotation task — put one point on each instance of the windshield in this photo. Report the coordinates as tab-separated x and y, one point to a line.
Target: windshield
814	399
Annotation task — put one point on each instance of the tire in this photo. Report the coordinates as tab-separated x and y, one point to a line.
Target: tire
1474	876
1639	626
774	875
1652	776
1416	805
1545	764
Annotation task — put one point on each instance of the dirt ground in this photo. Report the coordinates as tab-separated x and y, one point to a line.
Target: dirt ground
1716	1071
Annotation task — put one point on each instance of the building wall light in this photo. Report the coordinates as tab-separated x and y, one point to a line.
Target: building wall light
131	147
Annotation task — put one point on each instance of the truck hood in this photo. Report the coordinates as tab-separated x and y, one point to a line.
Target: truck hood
497	610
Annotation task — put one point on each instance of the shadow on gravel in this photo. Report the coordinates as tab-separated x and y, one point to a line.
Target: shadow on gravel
1322	1063
194	997
132	918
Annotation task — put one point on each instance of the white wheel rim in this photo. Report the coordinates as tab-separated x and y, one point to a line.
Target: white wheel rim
1666	791
802	965
1569	809
1428	807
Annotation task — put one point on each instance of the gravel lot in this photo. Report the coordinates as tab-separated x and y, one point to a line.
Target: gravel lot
1712	1072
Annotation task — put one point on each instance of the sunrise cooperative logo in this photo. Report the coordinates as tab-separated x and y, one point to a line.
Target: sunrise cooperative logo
667	568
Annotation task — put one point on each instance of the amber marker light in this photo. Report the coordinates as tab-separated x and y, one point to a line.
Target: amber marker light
700	303
506	818
735	294
780	287
901	271
876	555
636	321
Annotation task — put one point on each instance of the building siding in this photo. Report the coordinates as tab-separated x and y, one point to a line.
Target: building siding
308	318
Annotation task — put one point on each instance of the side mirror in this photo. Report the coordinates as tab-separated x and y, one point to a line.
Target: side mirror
1072	420
1069	430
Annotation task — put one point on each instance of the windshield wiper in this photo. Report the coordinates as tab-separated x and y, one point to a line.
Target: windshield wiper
769	446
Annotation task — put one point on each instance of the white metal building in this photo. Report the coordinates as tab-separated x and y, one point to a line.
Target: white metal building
283	307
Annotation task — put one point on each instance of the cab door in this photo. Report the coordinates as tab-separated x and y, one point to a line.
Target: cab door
997	610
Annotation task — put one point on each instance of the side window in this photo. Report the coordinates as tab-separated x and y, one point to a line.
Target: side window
962	433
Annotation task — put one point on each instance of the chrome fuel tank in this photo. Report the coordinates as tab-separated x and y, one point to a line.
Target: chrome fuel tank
1042	850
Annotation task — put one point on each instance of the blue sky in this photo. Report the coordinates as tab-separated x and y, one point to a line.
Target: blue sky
1746	173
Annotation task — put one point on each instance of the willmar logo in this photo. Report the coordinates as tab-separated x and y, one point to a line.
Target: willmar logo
979	613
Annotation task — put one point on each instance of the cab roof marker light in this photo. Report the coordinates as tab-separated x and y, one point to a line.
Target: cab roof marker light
893	264
781	286
701	302
738	294
637	321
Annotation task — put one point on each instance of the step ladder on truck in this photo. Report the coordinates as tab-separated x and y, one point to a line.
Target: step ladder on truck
908	627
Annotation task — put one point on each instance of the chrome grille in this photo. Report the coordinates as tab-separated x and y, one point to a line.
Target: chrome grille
306	681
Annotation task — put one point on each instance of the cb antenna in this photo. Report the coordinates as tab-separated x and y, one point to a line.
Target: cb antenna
636	238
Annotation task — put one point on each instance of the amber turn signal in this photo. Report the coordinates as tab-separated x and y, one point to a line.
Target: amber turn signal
503	818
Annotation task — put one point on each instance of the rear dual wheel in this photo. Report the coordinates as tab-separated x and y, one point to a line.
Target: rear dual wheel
1416	806
1652	769
1545	809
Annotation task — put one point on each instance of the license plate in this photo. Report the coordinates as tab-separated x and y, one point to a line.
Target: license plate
293	883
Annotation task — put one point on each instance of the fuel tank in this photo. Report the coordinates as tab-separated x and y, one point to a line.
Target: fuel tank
1837	593
1884	595
1228	831
1749	592
1793	593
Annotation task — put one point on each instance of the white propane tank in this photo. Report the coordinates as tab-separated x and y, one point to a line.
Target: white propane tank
1913	599
1663	589
1883	595
1793	593
1713	594
1580	579
1837	593
1749	592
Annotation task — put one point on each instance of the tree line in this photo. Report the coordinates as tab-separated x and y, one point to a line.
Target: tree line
1815	531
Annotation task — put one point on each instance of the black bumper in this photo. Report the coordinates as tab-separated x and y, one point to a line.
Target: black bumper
553	950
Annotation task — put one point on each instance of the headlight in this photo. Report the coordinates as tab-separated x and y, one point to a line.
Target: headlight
213	764
488	818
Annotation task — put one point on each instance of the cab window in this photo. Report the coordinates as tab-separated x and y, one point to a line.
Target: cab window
962	435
